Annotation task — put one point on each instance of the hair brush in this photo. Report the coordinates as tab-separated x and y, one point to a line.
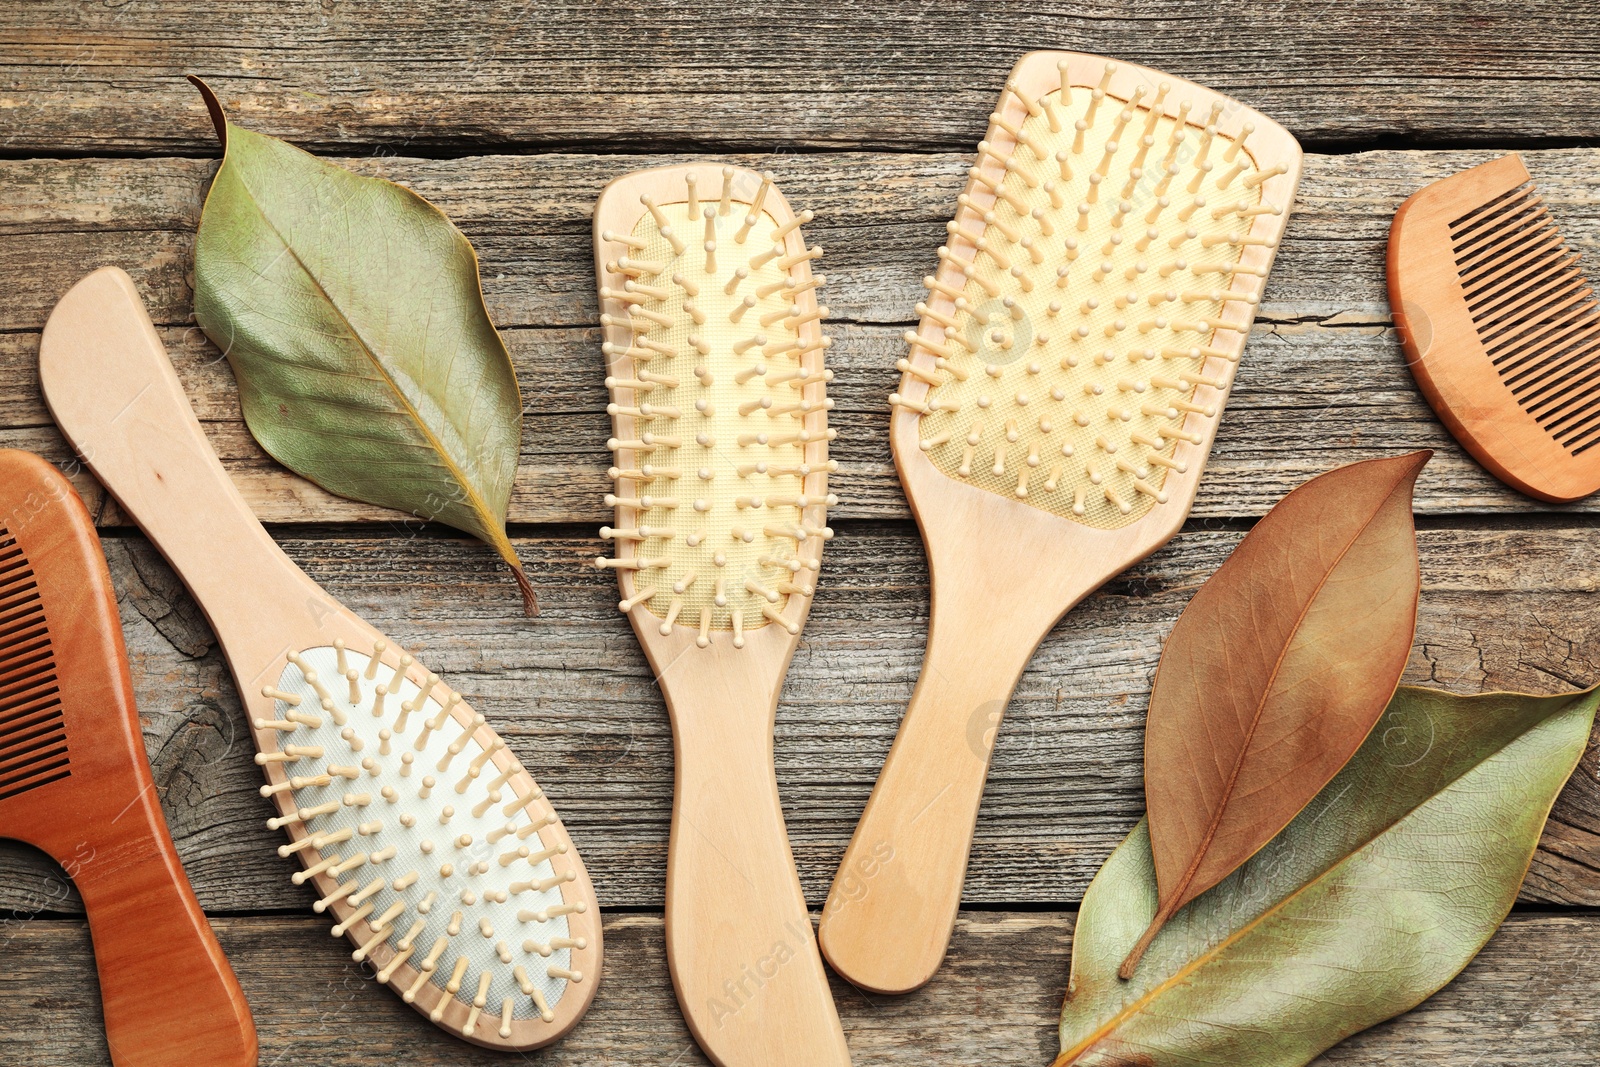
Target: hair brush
75	782
714	353
427	842
1500	328
1058	403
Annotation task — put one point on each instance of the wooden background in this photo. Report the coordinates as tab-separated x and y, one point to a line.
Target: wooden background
511	117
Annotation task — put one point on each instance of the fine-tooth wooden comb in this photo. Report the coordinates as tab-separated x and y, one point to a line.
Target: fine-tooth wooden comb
74	781
714	356
1500	328
425	840
1055	410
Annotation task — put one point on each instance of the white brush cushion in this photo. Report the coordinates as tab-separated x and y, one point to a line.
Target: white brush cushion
410	843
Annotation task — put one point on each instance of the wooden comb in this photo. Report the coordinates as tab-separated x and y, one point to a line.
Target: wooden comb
74	781
435	852
714	358
1500	328
1055	411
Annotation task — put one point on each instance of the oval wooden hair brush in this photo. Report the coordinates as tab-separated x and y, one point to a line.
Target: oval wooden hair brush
1055	411
426	841
714	353
1500	327
74	781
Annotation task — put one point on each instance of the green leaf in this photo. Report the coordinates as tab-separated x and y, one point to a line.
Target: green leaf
1370	900
351	312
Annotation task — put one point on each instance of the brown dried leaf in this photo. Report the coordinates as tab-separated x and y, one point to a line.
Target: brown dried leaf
1276	672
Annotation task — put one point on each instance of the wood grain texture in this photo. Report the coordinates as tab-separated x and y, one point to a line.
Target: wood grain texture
894	97
451	74
1474	313
1522	1003
92	802
733	901
1322	383
1005	569
575	699
109	383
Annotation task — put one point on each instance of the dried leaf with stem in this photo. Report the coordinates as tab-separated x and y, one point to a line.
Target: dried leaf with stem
352	314
1276	671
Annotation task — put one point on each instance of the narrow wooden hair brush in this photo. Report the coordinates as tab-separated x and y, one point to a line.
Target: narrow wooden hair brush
714	353
431	847
74	781
1055	411
1500	327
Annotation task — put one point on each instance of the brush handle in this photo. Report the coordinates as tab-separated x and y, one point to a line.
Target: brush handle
740	946
889	915
111	388
166	990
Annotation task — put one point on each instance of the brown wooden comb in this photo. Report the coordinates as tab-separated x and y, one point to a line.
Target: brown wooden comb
74	781
1500	328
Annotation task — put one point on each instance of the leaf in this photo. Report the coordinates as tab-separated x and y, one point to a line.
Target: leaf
351	312
1374	897
1275	672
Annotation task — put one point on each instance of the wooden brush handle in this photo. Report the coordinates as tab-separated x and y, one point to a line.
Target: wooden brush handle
893	903
167	992
743	956
111	388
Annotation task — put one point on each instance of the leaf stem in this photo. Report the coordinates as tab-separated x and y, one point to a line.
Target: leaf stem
1125	972
530	599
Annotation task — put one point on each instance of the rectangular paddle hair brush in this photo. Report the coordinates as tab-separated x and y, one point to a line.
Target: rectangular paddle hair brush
1055	410
74	781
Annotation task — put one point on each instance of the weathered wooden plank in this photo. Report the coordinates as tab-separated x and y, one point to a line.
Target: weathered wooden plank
1323	382
1501	609
457	75
1308	398
880	216
1524	1001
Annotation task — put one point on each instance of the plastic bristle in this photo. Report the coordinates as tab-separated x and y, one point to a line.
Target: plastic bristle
1104	247
720	399
1534	312
363	822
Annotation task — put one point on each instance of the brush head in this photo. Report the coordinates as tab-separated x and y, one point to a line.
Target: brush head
433	849
714	356
1500	327
1095	291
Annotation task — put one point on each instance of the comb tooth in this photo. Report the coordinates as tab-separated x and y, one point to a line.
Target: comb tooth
1574	410
1545	298
1568	393
1508	349
1530	222
1490	209
1552	389
1582	436
1537	254
1516	266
